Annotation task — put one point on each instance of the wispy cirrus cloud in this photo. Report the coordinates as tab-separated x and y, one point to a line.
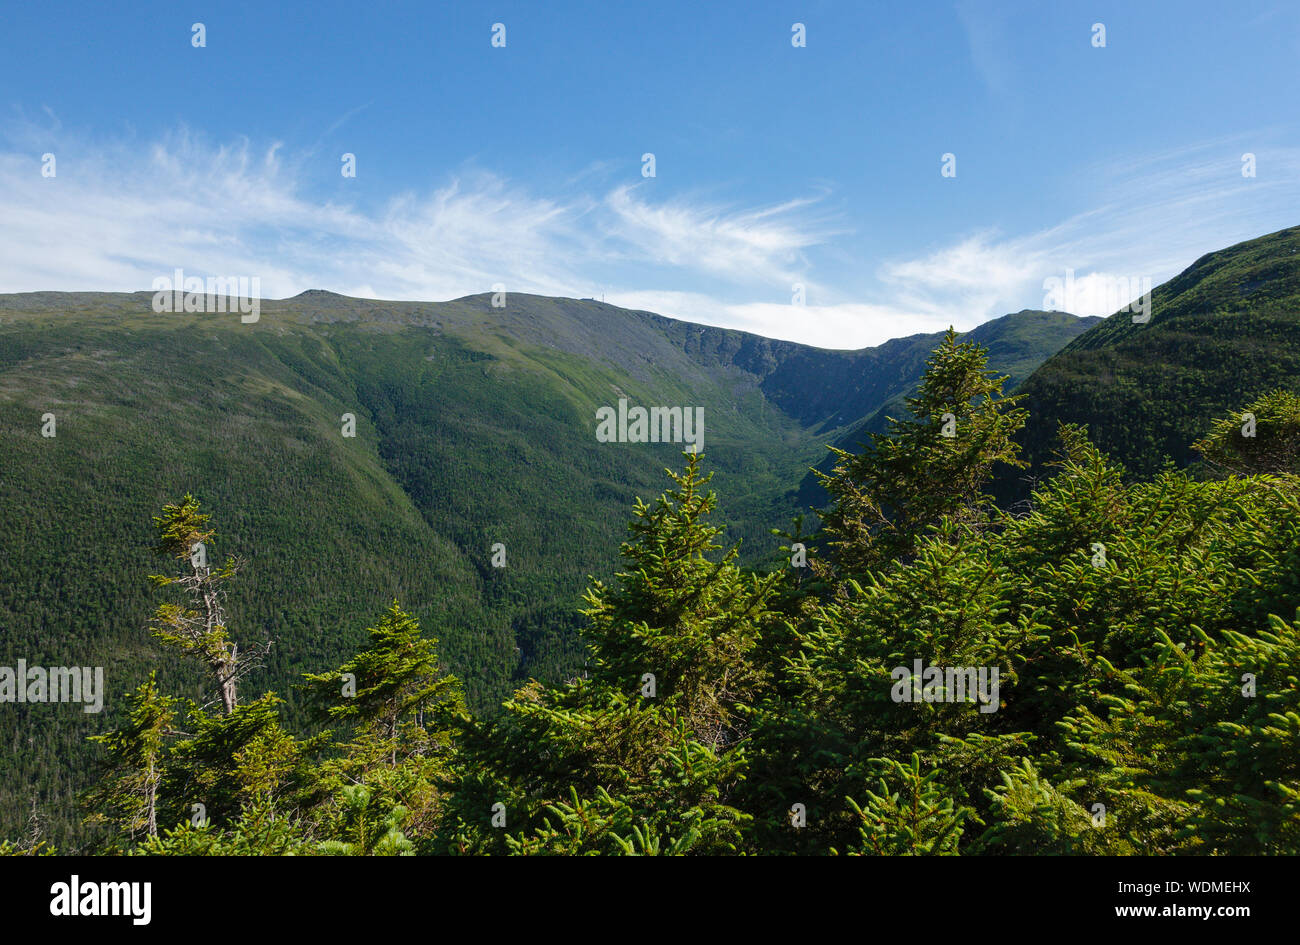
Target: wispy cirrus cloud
1156	215
118	214
114	216
726	243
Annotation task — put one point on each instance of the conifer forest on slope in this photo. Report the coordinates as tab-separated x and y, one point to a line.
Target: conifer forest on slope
1144	631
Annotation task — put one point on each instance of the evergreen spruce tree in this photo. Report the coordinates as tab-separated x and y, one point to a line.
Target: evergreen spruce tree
689	621
1146	679
125	795
934	464
401	711
244	764
235	766
644	753
1263	437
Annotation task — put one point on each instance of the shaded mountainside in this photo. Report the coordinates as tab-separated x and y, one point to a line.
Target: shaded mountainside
1224	331
474	425
1015	344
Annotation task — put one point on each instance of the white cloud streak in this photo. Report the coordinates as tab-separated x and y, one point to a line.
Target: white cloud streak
118	215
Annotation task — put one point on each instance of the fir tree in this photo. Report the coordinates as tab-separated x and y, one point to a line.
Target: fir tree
645	752
1264	437
934	464
401	710
131	771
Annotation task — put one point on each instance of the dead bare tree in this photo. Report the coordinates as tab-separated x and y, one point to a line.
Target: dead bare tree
198	626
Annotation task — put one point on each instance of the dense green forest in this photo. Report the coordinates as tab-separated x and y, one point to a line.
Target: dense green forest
1221	333
1111	668
473	427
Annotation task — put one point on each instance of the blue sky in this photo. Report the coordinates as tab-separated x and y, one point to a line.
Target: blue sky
775	165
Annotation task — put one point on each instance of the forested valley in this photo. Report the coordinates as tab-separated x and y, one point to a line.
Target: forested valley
1108	667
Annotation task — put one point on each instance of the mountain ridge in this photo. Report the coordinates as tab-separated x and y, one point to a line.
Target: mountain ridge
474	426
1222	332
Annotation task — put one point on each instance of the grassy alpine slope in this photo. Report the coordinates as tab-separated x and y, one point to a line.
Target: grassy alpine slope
1223	332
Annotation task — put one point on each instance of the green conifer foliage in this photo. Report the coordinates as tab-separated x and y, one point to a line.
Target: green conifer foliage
934	464
197	627
644	753
1147	692
400	710
1262	438
1109	669
131	768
